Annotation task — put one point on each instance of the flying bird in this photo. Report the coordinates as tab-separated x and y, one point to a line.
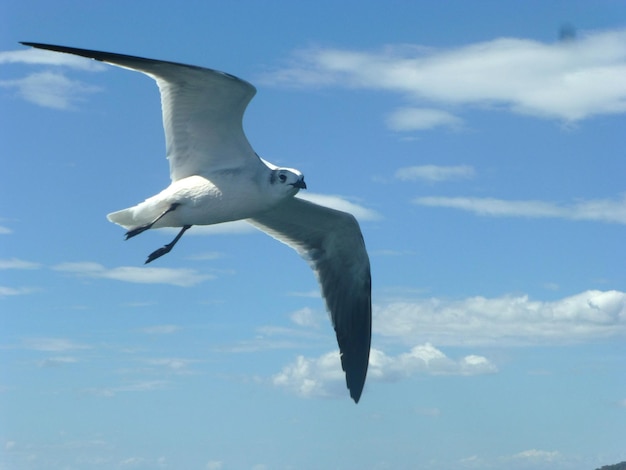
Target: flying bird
217	177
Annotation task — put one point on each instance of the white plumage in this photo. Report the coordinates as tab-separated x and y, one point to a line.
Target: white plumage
217	177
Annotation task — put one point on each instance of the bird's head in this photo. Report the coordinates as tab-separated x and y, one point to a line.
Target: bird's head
287	180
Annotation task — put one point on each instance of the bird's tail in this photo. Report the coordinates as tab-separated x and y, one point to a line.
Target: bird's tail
141	214
126	218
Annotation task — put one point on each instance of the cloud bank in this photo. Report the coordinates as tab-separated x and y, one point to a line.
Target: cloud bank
565	80
472	322
504	321
323	377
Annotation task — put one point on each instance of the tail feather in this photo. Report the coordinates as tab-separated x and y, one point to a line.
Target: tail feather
126	218
141	214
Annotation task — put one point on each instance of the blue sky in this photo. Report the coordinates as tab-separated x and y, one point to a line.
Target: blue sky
482	152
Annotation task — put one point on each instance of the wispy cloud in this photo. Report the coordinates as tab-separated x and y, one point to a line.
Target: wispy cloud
537	455
15	263
5	230
323	377
342	204
6	291
143	275
435	173
307	317
419	119
33	56
206	256
507	320
565	80
602	210
50	88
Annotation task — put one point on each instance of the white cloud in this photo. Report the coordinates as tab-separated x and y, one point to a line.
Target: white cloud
435	173
341	204
50	89
419	119
5	230
535	455
425	359
33	56
506	320
601	210
566	80
306	317
323	377
206	256
12	291
15	263
214	465
181	277
311	378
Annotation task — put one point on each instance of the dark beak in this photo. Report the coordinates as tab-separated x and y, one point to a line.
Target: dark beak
299	184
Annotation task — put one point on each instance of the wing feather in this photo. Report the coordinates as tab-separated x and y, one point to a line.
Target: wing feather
202	111
332	243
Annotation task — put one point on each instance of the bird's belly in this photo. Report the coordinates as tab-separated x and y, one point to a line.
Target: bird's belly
201	202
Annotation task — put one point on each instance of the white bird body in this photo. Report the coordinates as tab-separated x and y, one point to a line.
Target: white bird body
202	202
217	177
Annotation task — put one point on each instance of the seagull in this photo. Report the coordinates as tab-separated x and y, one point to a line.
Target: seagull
217	177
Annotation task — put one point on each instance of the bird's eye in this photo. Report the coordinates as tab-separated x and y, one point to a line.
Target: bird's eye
282	178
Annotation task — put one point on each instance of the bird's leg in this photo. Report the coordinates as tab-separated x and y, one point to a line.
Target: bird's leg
167	248
143	228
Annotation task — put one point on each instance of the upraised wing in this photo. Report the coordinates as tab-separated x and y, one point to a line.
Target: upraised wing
202	112
332	243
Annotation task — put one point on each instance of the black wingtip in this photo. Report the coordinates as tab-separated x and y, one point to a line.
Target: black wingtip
356	390
356	373
67	50
38	45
